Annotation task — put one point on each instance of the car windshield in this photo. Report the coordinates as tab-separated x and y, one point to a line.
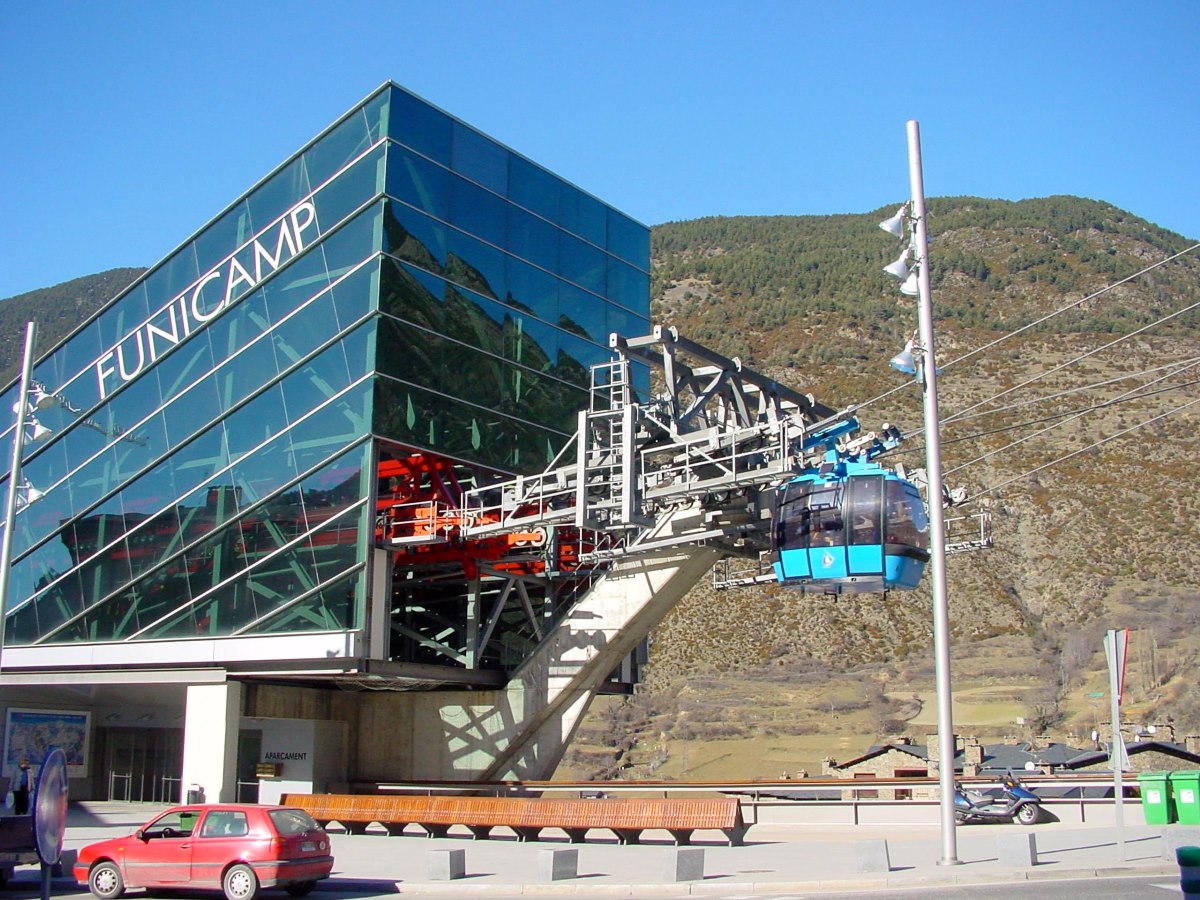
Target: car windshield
292	821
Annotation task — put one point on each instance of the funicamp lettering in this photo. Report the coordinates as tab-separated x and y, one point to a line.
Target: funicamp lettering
204	300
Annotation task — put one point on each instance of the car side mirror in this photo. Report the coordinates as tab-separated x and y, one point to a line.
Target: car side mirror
140	835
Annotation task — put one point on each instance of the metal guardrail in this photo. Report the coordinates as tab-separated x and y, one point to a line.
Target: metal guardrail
834	801
502	788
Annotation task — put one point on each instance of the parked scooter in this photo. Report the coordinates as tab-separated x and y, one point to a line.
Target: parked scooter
1015	803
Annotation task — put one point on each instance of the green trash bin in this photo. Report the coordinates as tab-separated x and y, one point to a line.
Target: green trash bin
1185	795
1157	804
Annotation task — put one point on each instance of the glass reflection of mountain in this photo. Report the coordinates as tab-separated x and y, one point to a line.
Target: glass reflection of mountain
541	388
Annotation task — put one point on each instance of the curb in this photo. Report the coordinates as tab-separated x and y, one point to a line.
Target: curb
720	885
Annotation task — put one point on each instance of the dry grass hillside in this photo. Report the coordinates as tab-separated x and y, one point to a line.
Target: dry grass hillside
1090	477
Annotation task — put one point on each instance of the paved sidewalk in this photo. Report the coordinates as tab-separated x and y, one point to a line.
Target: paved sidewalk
774	859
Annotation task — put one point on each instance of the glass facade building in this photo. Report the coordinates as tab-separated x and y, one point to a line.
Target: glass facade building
403	286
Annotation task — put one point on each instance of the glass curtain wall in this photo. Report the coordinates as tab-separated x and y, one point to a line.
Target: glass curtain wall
211	467
499	288
208	473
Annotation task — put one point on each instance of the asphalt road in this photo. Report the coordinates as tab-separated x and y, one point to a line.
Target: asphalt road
1142	887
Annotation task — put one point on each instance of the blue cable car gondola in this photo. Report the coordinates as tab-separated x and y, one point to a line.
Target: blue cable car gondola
849	526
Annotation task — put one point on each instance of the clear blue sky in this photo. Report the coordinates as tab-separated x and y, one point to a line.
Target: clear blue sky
128	125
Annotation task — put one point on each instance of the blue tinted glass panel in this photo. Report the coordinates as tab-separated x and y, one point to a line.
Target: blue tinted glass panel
349	191
530	288
533	187
532	238
477	211
340	423
333	151
582	263
628	286
300	281
223	236
475	265
414	237
583	314
583	215
303	333
182	367
412	354
410	415
626	323
418	125
334	607
280	193
418	182
353	295
480	159
412	294
628	240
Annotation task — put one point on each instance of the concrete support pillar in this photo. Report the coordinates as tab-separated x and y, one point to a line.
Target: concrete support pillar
210	741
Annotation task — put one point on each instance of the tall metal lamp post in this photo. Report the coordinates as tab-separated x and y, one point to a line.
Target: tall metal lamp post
926	372
21	408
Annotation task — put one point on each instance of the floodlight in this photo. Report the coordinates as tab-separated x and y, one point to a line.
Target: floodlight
895	224
40	431
904	360
41	400
911	286
27	494
898	269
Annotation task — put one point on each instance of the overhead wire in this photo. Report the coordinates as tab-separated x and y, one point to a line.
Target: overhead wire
1093	408
1074	453
1033	324
1078	415
963	415
1177	367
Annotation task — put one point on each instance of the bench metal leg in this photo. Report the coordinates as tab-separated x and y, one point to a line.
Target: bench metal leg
628	835
683	836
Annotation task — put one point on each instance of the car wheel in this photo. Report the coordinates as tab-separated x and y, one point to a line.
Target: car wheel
301	888
105	881
240	883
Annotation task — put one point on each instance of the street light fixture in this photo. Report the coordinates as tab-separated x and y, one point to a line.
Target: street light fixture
919	354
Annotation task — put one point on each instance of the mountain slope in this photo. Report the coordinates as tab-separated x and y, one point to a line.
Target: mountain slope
1104	538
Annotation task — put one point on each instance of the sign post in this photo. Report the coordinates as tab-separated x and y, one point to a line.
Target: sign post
50	813
1116	645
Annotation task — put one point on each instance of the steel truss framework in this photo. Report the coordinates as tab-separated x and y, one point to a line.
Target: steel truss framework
716	437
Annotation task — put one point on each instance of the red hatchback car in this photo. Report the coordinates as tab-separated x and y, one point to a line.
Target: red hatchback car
234	848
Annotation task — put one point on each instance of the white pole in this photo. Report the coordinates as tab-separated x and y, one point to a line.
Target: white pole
1116	750
14	476
937	522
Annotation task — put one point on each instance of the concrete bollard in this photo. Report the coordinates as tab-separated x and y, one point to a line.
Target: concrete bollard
1176	836
445	865
684	864
1189	872
557	865
1016	851
871	856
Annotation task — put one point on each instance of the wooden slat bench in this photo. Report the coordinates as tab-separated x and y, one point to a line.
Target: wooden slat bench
626	818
